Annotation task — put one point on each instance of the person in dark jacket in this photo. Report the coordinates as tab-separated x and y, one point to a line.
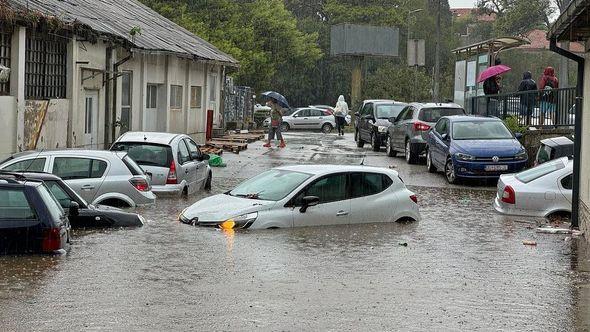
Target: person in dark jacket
527	100
548	83
491	87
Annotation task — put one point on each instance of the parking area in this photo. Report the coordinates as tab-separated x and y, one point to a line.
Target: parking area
463	267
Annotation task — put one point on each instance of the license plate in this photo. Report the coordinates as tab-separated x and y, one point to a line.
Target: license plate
496	168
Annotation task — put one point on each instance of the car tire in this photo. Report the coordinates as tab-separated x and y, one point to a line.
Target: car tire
450	172
375	143
429	164
359	141
411	156
209	181
327	128
390	149
285	127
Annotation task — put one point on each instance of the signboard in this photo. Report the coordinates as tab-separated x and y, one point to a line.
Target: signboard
416	52
351	39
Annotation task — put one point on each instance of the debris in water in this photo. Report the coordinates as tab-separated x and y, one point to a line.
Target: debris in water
554	230
403	244
529	243
392	166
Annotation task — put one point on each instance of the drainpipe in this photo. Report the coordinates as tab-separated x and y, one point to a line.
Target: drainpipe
115	78
107	95
578	127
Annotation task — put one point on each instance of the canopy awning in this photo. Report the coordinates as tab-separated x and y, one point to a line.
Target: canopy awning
573	24
491	45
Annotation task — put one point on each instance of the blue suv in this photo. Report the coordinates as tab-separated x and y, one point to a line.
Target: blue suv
473	147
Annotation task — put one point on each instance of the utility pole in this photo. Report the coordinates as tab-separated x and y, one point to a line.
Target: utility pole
410	12
436	92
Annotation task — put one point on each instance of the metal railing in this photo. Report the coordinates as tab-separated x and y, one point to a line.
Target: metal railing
539	108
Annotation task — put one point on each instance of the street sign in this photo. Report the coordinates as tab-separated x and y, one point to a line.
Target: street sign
416	52
364	40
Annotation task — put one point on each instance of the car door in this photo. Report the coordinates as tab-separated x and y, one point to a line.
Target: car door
315	119
84	175
334	206
369	201
188	167
439	147
400	128
566	184
300	119
366	122
201	165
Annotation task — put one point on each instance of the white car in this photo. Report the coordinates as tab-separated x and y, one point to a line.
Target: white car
541	191
308	195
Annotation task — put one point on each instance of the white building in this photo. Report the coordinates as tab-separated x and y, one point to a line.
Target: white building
82	71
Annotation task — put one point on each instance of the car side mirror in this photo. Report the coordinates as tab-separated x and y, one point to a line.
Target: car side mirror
357	114
445	137
74	209
518	135
393	119
309	201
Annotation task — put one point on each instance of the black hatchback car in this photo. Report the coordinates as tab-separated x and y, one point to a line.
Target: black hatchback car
31	219
372	121
86	215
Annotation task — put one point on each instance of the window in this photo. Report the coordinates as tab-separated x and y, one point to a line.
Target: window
61	195
568	182
480	130
14	205
386	111
147	154
88	116
176	97
368	109
132	166
151	99
367	184
5	55
329	189
192	147
540	171
196	92
213	88
434	114
183	155
316	113
409	114
303	113
31	165
441	127
52	204
45	67
69	168
126	97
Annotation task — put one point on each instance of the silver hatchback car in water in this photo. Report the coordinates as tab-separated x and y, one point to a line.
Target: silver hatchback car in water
100	177
174	161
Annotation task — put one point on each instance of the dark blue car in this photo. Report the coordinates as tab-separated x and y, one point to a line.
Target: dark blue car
473	147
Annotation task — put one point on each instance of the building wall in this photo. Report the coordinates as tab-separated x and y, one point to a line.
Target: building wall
585	155
8	126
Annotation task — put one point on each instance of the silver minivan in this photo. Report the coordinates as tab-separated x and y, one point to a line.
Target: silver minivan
100	177
174	161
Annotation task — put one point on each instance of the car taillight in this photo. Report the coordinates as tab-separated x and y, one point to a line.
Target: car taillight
140	184
51	240
172	179
509	196
414	198
419	126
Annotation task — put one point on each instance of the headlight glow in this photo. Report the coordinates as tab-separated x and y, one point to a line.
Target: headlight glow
464	156
382	129
239	221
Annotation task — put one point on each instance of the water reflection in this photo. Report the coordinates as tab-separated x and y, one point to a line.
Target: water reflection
580	264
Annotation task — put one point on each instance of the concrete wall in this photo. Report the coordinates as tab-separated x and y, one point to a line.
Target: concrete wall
8	127
531	140
585	155
54	133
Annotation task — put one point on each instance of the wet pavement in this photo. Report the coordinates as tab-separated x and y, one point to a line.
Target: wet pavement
464	267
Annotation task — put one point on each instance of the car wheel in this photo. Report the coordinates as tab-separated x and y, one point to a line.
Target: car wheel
429	165
285	127
375	142
208	182
327	128
411	157
390	150
359	141
450	172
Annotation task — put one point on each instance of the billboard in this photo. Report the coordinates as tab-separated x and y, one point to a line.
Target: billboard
352	39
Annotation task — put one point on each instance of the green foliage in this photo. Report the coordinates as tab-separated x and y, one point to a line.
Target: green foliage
512	124
516	17
399	83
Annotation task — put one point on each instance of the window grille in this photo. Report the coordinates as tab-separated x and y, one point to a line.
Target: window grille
46	67
5	45
176	97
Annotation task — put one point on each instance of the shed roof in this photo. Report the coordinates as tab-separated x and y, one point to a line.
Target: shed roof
574	22
495	44
118	17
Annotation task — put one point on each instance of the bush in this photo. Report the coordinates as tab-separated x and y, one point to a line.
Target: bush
512	124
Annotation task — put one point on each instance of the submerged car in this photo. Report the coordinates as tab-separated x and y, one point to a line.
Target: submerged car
473	147
309	195
541	191
554	148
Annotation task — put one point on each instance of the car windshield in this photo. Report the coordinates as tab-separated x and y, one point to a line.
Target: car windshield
434	114
272	185
146	154
540	171
386	111
480	130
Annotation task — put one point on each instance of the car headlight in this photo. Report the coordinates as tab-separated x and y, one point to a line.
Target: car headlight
464	156
521	156
242	221
382	129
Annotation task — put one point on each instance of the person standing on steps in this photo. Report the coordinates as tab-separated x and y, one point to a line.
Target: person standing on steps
276	118
340	112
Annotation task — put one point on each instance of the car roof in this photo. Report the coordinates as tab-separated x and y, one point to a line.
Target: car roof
148	137
436	105
385	102
328	169
378	100
557	141
470	118
80	152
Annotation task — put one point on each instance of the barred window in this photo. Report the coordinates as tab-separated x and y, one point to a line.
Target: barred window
45	70
5	44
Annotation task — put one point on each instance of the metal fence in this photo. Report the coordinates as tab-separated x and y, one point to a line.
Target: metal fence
540	108
238	105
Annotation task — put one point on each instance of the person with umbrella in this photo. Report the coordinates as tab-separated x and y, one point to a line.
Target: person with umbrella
491	86
276	102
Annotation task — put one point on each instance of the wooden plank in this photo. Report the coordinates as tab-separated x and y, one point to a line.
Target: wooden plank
232	139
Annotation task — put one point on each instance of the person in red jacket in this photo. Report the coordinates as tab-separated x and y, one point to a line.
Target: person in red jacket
547	84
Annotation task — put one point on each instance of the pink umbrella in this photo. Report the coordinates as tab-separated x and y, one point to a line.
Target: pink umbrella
492	71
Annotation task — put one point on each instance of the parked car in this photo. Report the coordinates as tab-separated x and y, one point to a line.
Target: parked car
553	148
287	112
348	118
373	120
309	118
473	147
101	177
309	195
31	219
88	215
541	191
175	162
410	128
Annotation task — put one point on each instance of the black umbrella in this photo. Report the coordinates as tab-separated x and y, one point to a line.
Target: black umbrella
278	97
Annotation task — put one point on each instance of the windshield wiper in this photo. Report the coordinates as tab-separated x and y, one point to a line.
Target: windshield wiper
250	196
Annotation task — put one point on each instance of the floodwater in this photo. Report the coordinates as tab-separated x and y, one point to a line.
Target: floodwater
463	267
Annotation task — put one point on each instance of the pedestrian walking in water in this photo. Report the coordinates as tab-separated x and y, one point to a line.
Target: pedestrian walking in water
340	113
276	118
527	99
547	84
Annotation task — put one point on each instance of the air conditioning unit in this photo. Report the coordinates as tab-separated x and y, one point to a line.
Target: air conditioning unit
4	74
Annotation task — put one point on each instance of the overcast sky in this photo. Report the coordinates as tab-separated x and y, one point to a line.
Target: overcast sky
462	3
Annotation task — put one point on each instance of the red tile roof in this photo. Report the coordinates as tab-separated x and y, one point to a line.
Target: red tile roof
539	41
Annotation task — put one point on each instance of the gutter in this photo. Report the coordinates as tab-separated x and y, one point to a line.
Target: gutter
578	127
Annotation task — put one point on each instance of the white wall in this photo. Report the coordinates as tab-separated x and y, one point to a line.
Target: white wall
8	126
585	155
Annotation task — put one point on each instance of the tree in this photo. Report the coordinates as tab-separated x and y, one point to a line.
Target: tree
516	17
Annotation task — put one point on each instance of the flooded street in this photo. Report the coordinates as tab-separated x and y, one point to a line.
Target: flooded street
463	267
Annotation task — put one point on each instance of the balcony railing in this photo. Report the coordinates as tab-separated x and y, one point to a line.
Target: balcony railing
539	108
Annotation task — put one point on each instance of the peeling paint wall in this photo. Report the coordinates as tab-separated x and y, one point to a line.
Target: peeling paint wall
46	124
8	116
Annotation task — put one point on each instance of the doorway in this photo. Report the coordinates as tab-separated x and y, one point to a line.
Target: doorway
91	119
